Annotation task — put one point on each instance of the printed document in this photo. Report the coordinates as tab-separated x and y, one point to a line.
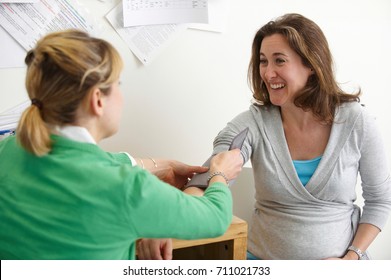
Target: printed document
218	12
18	1
29	22
146	42
12	53
146	12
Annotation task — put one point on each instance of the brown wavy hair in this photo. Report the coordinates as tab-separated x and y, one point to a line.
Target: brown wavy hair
62	69
322	94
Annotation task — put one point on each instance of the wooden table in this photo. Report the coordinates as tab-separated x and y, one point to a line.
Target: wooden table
230	246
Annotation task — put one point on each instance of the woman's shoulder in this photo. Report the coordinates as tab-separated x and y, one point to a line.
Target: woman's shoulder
349	110
248	116
257	111
355	110
356	116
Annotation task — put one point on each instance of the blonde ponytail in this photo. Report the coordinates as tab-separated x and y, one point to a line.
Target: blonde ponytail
33	133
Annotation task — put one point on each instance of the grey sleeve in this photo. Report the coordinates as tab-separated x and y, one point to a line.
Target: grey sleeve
224	138
375	174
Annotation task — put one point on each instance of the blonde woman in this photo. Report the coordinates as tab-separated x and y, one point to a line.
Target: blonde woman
62	196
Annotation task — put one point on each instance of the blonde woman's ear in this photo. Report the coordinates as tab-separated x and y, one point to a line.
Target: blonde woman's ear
96	102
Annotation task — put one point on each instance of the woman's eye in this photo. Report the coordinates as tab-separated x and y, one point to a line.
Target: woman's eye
262	61
279	60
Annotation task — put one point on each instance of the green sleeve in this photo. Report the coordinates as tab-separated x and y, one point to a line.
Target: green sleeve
121	158
158	210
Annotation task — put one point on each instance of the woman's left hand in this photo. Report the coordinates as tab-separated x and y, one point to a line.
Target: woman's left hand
176	173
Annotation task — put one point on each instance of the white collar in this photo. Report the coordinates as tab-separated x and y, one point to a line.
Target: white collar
81	134
75	133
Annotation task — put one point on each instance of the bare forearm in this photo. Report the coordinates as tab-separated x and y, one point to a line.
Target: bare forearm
365	235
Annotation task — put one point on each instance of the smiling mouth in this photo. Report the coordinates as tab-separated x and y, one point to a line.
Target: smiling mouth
277	86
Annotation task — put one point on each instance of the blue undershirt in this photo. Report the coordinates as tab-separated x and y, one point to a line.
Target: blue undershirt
306	168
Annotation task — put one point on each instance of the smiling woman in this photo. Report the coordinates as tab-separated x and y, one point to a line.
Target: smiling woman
301	116
308	141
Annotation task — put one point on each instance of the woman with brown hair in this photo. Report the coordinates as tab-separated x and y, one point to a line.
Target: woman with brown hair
308	142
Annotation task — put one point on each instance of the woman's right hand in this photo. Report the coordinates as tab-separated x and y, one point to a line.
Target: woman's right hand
229	162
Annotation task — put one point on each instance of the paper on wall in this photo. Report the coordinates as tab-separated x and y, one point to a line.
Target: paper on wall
27	23
18	1
147	12
218	12
146	42
12	53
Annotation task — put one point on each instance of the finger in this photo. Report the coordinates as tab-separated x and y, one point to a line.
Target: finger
197	169
167	250
154	250
147	244
141	250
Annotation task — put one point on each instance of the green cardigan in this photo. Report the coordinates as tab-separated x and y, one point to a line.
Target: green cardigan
80	202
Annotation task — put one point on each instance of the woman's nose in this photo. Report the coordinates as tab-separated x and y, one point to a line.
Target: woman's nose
270	72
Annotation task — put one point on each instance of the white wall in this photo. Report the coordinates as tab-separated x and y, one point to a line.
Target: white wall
176	105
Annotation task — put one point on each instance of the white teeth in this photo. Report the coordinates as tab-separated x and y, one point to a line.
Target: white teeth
277	86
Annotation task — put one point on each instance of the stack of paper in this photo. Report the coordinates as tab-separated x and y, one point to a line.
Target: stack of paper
10	118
